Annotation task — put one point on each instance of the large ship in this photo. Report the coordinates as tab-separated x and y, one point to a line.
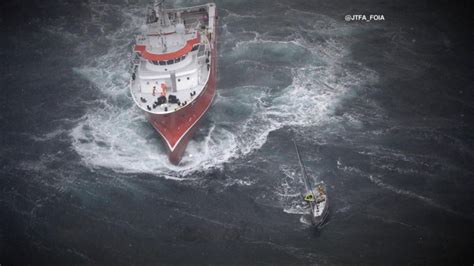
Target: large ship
173	74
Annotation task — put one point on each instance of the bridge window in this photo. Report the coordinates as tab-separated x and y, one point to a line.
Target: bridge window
170	62
195	47
177	60
162	63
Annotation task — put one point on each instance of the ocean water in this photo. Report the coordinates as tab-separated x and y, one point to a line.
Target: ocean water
381	111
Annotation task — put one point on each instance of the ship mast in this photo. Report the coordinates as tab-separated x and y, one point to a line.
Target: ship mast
163	19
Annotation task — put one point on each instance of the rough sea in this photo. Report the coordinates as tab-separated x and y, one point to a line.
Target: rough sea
382	112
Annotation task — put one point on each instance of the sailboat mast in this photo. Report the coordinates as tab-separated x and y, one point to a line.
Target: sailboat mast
303	170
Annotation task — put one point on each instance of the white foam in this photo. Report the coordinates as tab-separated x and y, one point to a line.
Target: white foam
289	191
48	136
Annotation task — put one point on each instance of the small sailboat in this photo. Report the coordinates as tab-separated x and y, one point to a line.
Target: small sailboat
315	197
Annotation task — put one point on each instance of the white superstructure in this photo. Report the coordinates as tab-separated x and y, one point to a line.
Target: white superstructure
171	60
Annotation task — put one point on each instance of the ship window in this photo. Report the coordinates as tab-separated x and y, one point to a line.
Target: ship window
183	57
170	62
177	60
162	63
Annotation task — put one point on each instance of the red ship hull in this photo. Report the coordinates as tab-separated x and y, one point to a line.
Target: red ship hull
177	128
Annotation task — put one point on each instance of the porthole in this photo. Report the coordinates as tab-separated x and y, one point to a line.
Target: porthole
188	78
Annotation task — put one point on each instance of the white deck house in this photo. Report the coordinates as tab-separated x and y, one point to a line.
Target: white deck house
172	58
